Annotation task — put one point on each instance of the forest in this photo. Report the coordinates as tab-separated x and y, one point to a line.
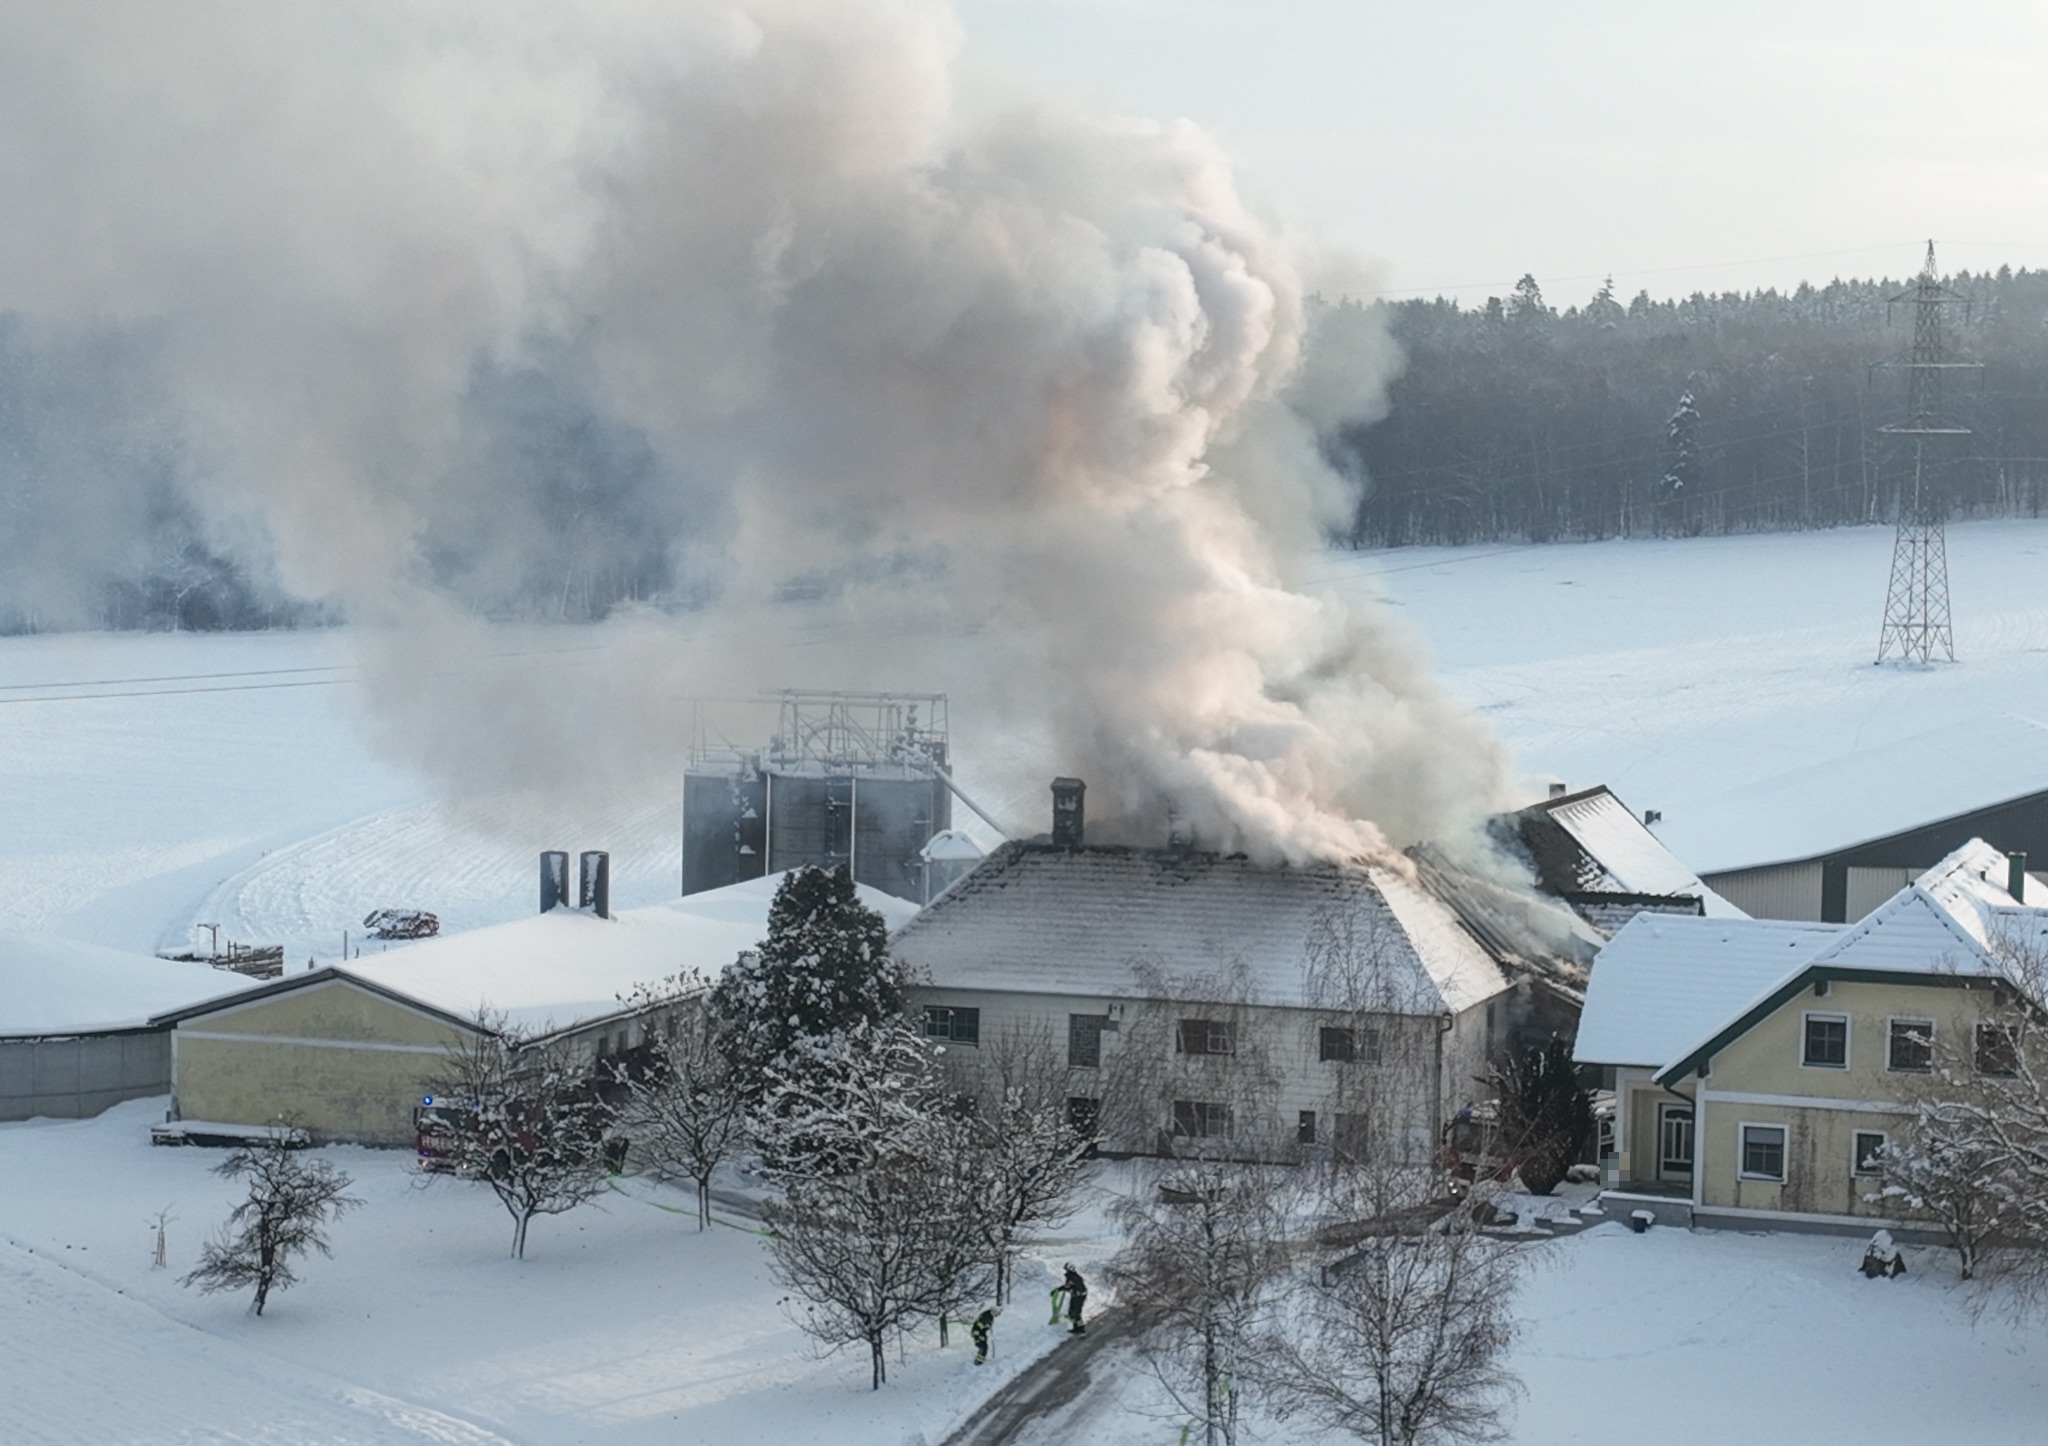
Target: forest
1725	413
1508	421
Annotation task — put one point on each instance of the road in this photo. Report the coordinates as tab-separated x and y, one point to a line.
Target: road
1049	1401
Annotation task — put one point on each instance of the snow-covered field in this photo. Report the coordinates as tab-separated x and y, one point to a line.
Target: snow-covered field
1728	682
625	1325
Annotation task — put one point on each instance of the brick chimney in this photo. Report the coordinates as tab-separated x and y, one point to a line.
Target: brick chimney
1067	818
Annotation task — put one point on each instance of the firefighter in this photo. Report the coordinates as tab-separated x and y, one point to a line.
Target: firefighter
1076	1290
979	1330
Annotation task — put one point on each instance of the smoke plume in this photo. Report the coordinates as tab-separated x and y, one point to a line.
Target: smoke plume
713	318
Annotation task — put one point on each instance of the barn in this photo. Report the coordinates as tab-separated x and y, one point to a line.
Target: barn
1829	843
347	1050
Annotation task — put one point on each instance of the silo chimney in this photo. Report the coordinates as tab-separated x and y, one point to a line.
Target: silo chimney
596	892
1067	820
2016	876
554	879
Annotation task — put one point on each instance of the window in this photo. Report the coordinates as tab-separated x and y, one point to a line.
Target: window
1912	1046
1763	1152
1305	1131
1205	1036
953	1024
1342	1044
1827	1041
1869	1144
1084	1039
1352	1137
1201	1120
1084	1115
1998	1050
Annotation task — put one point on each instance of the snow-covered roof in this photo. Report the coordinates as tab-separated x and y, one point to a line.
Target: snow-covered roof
1665	981
1606	849
1951	917
50	985
568	966
1863	795
1956	918
1043	920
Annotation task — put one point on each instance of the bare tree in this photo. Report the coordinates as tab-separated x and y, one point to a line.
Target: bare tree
1201	1256
1404	1341
1947	1170
523	1117
1023	1147
881	1224
1975	1162
291	1198
685	1109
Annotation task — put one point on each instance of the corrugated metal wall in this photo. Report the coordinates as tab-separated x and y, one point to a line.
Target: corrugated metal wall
1780	891
73	1077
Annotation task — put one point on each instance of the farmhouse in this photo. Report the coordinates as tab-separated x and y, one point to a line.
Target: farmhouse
1202	1001
346	1051
1759	1065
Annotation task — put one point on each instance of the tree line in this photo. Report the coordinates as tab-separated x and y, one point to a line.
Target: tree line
1728	413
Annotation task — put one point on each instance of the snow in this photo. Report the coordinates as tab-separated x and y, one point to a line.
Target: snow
1728	682
555	969
1683	1338
624	1324
1665	984
1666	981
1078	922
1725	682
1634	858
155	782
50	985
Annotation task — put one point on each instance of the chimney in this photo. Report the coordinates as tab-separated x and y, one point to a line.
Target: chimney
554	879
1557	788
596	892
2016	876
1067	828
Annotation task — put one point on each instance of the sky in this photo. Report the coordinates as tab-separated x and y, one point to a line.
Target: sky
1450	147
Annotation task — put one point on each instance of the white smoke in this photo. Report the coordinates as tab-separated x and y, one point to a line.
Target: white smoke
1013	409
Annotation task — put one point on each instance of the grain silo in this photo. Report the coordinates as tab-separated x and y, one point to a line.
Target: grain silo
859	779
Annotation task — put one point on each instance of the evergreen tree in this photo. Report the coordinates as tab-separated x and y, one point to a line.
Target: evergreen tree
823	968
1546	1116
1681	460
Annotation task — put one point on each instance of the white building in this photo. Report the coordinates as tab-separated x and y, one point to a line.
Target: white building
1197	998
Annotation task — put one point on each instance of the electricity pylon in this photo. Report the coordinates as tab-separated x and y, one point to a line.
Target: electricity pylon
1916	614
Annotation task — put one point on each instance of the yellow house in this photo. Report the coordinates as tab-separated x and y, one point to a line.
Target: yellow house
1759	1066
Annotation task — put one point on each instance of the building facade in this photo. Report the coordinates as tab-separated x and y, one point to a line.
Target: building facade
1203	1002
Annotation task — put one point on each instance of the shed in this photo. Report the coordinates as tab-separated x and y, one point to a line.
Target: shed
75	1024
